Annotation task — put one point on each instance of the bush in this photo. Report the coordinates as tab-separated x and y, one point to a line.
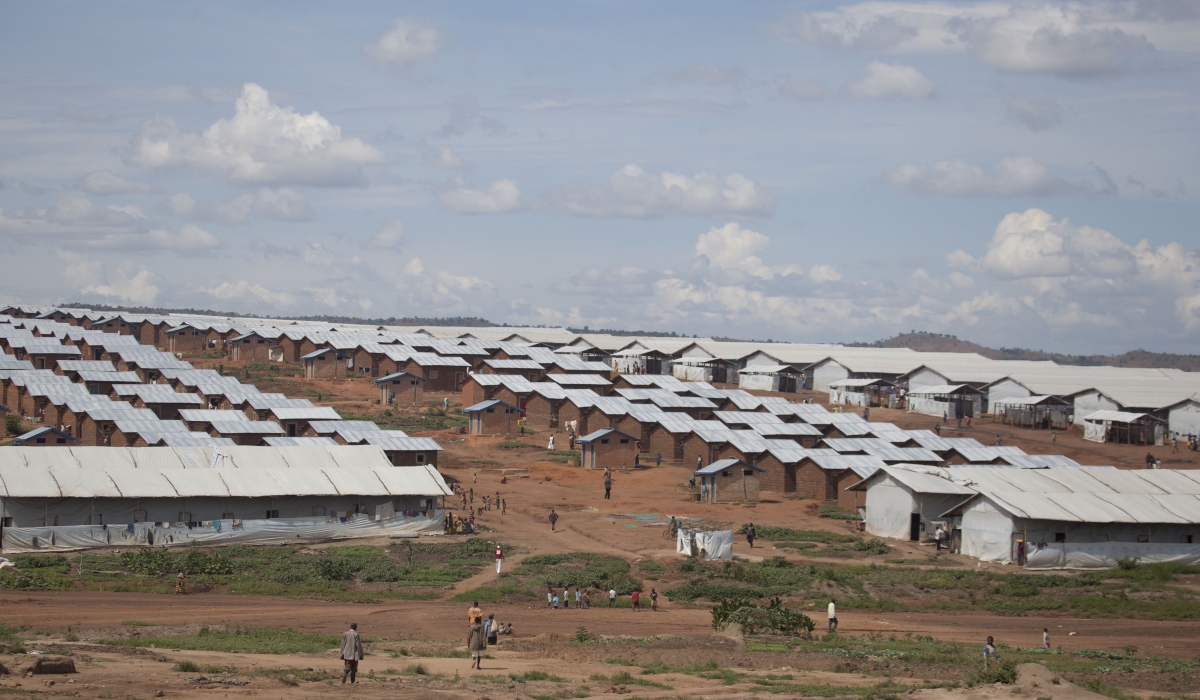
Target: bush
766	532
39	561
151	561
12	424
1003	672
1128	563
332	569
873	546
186	667
772	618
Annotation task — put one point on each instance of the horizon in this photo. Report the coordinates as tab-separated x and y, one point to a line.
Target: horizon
806	172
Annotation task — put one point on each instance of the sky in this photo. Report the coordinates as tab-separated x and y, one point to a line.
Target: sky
1019	174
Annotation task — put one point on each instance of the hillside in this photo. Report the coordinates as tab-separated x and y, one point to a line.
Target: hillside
933	342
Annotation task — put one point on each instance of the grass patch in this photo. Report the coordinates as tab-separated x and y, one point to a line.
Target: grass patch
598	572
248	640
137	623
626	678
186	667
764	532
415	670
1005	672
1099	687
516	445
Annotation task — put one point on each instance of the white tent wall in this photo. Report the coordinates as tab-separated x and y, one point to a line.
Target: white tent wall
759	382
1006	389
1091	401
1104	555
987	532
890	506
927	377
827	372
928	407
690	373
1184	419
274	531
716	544
848	398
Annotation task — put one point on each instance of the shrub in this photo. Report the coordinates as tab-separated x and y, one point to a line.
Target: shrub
785	533
415	670
332	569
186	667
38	561
151	561
1002	672
12	424
873	546
1128	563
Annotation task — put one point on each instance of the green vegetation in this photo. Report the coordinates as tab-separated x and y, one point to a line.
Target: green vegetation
186	667
516	445
247	640
625	678
1160	595
12	424
564	456
756	619
37	572
413	421
764	532
1005	672
599	572
405	570
832	511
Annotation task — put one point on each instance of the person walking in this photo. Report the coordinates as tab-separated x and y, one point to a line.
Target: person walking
637	461
549	596
553	519
472	494
566	598
653	600
554	602
476	642
474	612
578	598
635	599
867	413
1053	436
587	599
1046	638
504	506
351	652
179	589
491	631
750	534
939	534
699	464
658	460
990	653
551	445
612	597
1174	445
499	558
833	622
999	440
607	486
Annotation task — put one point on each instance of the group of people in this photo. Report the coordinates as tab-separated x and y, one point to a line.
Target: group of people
458	525
483	633
583	598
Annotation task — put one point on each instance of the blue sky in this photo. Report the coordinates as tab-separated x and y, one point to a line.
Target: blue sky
1017	174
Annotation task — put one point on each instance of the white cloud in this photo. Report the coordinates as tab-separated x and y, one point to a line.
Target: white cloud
283	204
1035	115
632	192
885	81
500	196
104	182
138	289
1013	176
187	238
824	273
389	237
408	43
262	143
245	291
1069	39
732	247
444	158
441	292
711	75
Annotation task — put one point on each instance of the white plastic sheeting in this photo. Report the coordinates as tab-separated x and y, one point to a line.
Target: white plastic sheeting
987	532
1104	555
717	545
273	531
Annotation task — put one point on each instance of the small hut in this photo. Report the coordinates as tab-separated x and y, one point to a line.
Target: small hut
1039	412
401	387
730	481
493	417
607	448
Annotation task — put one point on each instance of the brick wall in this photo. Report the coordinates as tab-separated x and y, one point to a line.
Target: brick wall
663	442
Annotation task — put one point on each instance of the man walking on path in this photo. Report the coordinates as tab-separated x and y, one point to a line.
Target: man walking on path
699	464
634	598
607	486
553	519
474	612
750	534
658	460
351	652
653	600
612	597
1045	637
491	630
551	445
476	642
832	617
499	558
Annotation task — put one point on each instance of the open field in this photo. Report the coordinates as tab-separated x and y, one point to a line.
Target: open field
909	618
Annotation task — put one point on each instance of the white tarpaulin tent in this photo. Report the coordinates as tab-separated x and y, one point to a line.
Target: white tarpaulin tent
716	545
1073	517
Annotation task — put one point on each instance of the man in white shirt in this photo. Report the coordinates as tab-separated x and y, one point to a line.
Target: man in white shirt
832	617
612	597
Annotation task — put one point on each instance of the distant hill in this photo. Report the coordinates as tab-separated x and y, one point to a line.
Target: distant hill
933	342
467	321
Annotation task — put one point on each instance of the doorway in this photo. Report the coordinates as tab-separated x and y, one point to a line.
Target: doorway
914	527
